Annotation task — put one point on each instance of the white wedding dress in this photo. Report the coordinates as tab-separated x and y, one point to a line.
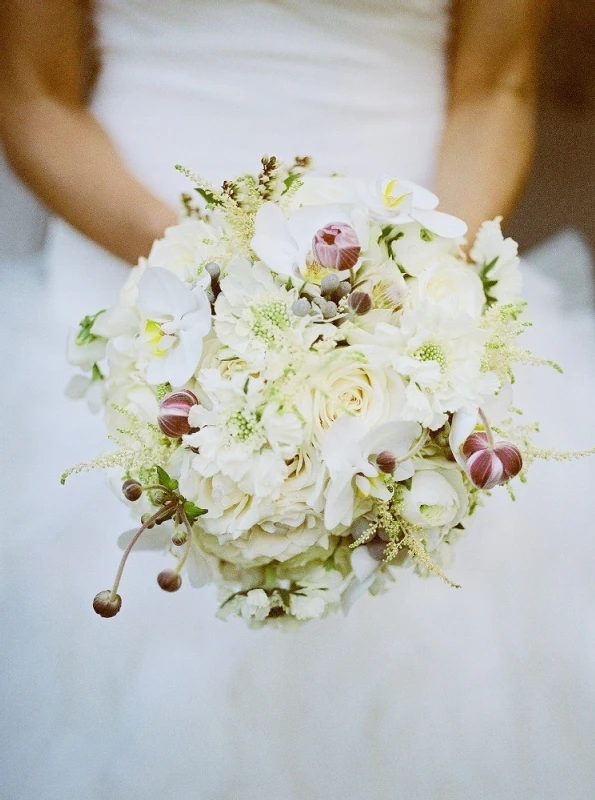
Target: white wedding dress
426	692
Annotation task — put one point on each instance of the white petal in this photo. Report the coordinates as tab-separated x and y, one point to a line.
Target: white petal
440	223
272	241
161	293
198	569
422	198
463	424
363	564
394	436
339	503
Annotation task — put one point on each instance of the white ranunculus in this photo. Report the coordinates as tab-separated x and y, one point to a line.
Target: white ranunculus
491	247
175	321
450	279
436	501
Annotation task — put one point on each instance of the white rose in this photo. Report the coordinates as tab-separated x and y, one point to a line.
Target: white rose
450	278
350	382
436	501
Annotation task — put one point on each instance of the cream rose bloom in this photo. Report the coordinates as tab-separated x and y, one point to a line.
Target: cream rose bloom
350	381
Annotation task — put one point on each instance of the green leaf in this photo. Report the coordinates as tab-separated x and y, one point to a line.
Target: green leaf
210	198
165	480
290	180
96	373
192	511
425	235
84	335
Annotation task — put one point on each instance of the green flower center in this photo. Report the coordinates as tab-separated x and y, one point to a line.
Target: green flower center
432	513
431	352
242	426
269	321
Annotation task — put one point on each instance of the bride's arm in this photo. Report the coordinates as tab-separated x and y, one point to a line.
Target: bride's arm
488	140
53	141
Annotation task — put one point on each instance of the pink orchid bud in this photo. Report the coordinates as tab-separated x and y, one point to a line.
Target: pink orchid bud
336	246
386	461
174	409
488	466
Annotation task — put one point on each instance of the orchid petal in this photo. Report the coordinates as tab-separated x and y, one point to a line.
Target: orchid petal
441	224
272	241
161	293
157	538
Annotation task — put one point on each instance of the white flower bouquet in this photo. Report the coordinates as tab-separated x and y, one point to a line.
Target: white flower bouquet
309	387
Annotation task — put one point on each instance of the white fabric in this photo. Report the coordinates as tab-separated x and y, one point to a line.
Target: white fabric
485	692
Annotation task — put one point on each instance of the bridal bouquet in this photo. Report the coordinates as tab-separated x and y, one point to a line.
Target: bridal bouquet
309	388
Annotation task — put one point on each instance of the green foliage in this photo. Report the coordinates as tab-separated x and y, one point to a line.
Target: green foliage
487	282
85	334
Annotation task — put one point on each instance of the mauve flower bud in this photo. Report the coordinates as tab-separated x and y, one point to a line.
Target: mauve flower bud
169	580
144	519
386	461
301	307
132	489
360	302
172	417
329	283
105	606
486	466
210	294
336	246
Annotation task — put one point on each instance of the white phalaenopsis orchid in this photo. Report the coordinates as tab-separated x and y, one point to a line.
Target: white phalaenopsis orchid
400	201
284	244
176	319
347	450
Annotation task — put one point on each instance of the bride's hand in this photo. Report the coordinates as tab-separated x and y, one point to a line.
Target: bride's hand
488	140
52	140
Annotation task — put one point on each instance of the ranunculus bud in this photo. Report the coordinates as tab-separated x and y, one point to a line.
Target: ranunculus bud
336	246
169	580
360	302
174	409
132	489
105	606
487	466
386	461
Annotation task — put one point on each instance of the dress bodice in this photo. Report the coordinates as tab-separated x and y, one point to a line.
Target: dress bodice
217	83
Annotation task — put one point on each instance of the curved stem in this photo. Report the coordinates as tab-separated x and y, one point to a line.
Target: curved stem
134	540
414	449
487	427
188	526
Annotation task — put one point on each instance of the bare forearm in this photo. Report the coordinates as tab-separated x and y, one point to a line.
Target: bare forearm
486	154
67	159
